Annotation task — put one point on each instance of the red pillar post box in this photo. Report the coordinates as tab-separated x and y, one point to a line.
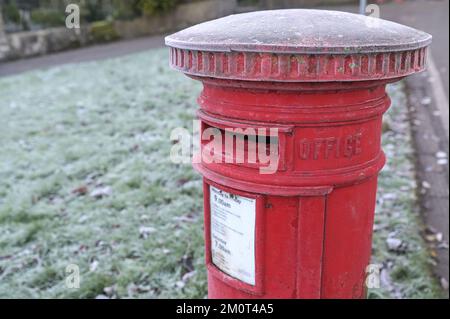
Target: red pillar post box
311	85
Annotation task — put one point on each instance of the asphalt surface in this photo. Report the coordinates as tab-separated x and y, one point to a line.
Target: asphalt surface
431	170
91	53
431	16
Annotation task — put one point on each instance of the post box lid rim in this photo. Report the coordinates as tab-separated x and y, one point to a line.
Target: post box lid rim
314	32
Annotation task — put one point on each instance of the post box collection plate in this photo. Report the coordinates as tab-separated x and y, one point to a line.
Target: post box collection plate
233	234
319	78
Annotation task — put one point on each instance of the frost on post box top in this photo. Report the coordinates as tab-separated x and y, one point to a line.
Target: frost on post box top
400	50
299	31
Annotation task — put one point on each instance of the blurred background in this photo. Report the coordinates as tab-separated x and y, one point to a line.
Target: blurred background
85	176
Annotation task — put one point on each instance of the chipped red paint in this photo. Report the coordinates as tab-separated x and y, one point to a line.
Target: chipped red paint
319	77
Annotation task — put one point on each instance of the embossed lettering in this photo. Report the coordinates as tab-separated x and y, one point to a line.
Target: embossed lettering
330	147
304	149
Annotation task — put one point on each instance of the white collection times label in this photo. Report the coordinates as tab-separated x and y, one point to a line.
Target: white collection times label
233	234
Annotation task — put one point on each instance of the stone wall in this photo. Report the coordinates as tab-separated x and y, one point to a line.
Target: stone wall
26	44
4	46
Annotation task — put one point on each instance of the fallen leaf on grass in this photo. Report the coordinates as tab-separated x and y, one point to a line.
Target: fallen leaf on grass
145	231
188	275
109	291
182	181
434	237
378	227
83	218
433	253
395	244
185	218
93	266
389	196
82	190
82	249
187	262
133	289
5	257
101	192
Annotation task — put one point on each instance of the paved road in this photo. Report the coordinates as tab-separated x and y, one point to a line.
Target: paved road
96	52
428	15
433	177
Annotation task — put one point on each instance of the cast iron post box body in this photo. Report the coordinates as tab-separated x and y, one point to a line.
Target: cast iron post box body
319	78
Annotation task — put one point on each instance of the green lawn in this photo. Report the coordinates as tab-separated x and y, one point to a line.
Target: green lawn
85	179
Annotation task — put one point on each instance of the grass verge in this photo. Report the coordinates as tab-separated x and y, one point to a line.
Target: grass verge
86	180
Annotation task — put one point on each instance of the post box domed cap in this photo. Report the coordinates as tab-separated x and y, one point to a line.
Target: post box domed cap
300	31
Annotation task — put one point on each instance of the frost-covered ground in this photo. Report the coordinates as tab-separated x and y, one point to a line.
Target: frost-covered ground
85	179
397	242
